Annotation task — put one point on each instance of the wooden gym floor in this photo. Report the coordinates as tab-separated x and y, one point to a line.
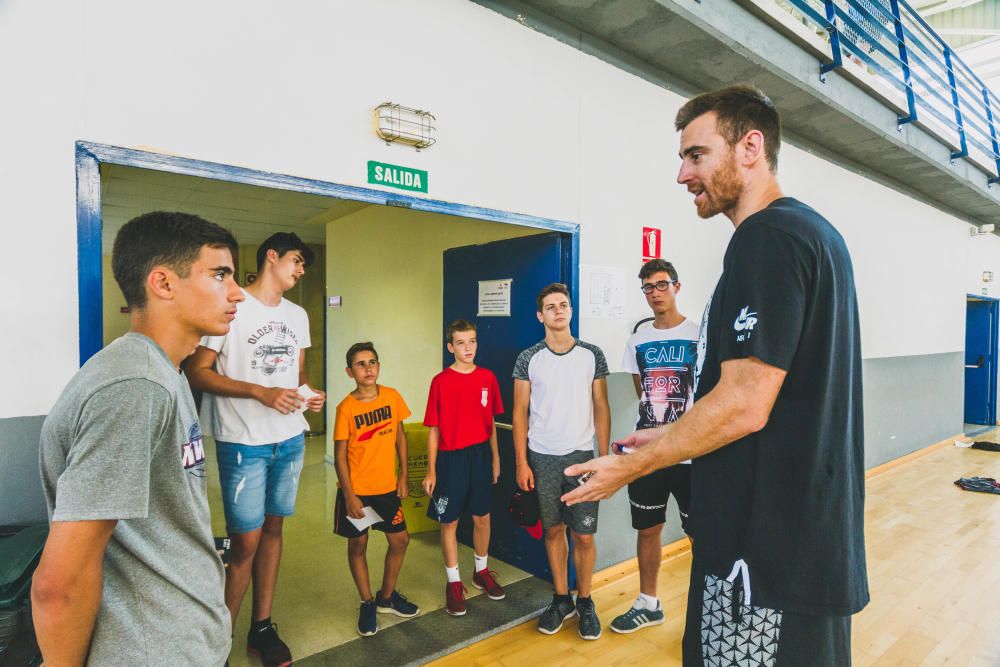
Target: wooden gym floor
933	566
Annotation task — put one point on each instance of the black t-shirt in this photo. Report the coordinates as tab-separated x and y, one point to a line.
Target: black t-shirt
789	499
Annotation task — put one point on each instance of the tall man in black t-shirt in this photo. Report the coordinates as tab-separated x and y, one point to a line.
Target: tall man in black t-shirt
777	481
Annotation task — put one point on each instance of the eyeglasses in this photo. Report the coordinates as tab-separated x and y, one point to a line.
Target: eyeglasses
660	285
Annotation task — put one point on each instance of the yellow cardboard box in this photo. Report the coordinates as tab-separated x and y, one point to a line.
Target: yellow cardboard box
415	505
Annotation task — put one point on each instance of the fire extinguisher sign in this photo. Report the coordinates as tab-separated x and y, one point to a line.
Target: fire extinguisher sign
651	238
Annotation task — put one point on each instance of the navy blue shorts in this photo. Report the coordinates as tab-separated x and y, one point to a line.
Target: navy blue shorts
464	482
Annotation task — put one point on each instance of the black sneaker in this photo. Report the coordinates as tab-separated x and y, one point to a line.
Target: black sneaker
367	625
397	604
590	625
552	618
267	645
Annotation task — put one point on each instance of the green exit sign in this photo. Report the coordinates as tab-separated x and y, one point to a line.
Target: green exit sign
395	176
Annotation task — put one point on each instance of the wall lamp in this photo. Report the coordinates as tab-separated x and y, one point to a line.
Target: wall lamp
413	127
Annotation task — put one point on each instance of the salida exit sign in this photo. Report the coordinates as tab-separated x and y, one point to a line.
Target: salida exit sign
395	176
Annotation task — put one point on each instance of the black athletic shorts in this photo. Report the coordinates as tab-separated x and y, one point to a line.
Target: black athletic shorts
464	482
720	630
385	505
647	496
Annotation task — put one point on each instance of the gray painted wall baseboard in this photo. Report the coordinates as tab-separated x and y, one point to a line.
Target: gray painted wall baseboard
21	497
911	402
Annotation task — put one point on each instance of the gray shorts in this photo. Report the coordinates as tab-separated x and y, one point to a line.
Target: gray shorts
551	483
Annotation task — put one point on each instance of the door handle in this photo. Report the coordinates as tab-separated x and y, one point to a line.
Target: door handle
979	363
506	427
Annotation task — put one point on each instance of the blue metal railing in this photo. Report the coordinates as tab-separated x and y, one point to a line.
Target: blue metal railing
896	44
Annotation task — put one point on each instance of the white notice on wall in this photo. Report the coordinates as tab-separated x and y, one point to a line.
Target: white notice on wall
494	298
602	291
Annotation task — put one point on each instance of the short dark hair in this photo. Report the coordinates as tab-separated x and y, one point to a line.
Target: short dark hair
657	266
360	347
161	238
283	242
738	109
553	288
456	326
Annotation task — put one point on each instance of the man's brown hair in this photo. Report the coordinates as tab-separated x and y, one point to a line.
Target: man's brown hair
738	109
554	288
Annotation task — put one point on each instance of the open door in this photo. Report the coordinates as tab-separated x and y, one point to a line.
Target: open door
512	272
980	361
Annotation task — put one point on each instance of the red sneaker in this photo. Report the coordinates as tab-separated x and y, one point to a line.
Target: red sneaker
486	580
454	595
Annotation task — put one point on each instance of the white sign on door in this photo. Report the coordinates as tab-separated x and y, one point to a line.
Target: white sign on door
494	298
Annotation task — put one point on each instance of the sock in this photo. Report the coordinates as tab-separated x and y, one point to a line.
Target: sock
257	625
651	603
480	562
452	573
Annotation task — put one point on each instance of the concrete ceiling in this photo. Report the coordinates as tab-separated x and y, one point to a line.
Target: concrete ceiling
251	212
691	46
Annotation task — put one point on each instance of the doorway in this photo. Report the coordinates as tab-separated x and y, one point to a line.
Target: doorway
354	231
980	363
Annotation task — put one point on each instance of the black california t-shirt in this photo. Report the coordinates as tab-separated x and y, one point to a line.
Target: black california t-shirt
789	499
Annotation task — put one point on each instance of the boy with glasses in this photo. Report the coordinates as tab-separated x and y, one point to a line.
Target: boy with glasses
661	359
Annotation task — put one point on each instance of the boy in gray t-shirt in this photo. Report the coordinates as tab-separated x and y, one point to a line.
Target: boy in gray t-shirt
129	574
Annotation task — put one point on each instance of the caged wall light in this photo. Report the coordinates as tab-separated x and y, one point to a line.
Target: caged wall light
396	123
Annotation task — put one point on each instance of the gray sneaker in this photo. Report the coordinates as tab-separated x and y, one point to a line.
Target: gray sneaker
552	618
590	625
636	619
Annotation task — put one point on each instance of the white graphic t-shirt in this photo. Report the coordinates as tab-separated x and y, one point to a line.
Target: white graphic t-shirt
664	360
263	347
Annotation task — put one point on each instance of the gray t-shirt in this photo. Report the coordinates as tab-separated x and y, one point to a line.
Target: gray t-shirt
123	442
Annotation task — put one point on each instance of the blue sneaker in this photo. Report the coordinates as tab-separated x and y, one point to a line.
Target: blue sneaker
398	605
590	625
636	618
367	625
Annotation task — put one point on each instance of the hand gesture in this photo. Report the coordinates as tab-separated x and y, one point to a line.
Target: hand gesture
636	440
610	473
403	487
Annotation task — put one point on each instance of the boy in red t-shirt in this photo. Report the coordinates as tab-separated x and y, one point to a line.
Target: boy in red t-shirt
462	459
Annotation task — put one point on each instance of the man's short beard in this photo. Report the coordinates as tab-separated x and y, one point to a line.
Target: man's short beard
727	187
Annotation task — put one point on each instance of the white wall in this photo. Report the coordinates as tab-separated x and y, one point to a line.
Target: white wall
527	124
984	255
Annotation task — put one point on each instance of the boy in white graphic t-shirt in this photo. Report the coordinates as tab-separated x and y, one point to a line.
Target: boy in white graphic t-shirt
661	358
251	377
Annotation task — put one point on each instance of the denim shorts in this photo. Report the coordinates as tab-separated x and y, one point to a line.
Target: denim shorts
258	480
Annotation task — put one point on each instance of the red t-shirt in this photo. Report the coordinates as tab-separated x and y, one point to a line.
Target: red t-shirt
462	406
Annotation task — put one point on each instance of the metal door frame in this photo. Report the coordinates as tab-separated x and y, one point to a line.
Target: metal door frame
90	156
